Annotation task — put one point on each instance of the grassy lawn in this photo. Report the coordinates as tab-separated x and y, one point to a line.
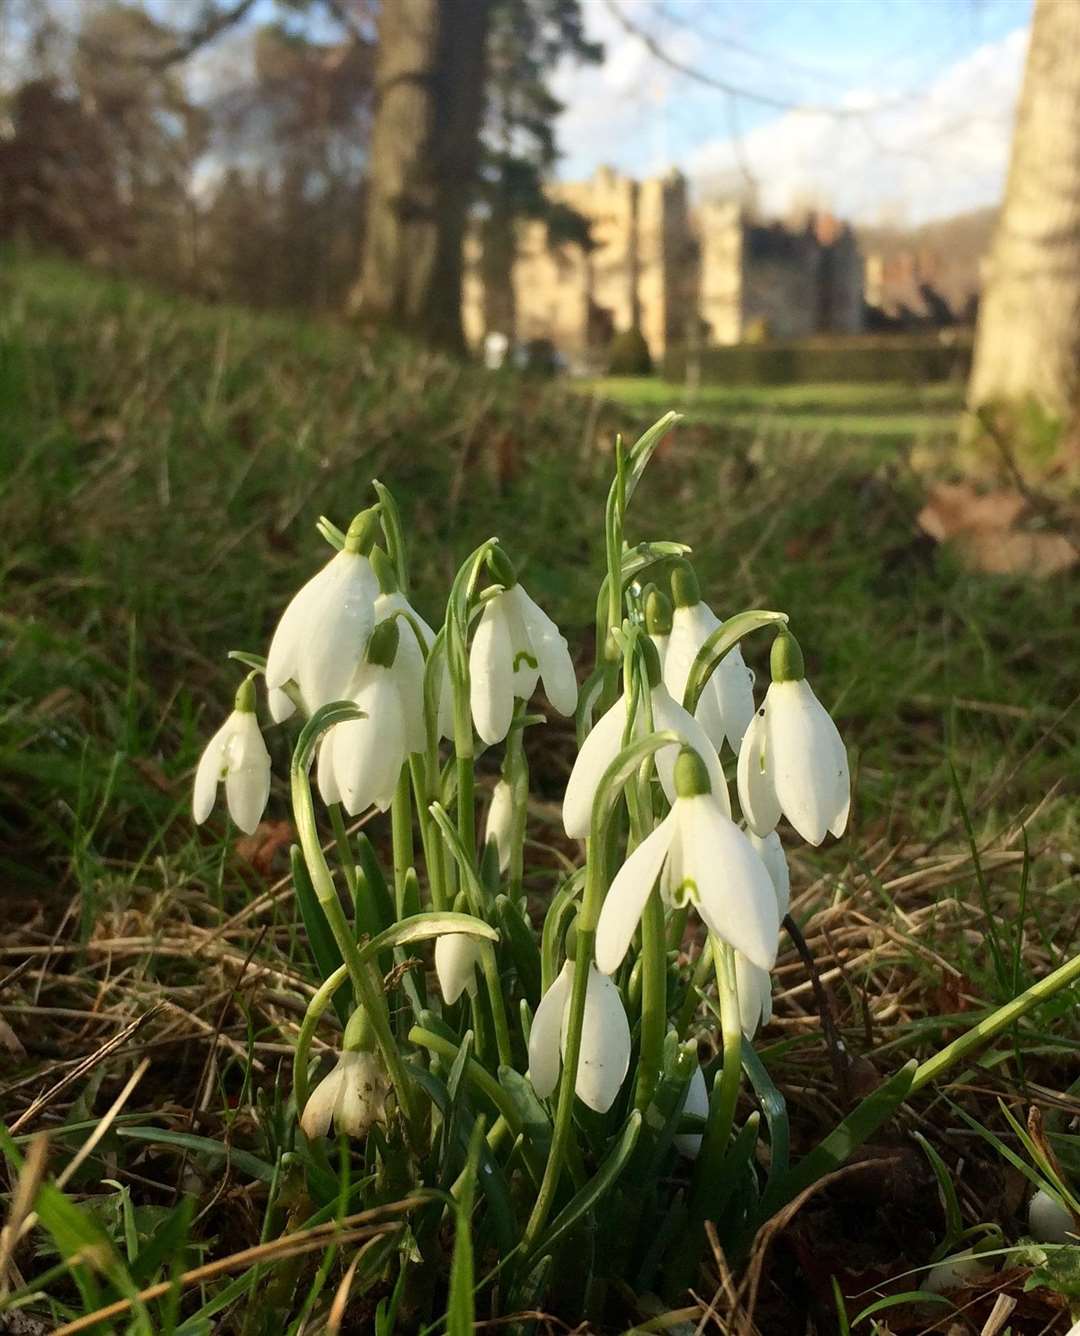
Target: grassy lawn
162	466
877	416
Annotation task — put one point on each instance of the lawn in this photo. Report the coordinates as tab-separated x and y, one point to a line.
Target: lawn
162	468
879	417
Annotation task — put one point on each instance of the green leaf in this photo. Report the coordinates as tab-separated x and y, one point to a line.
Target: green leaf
860	1124
461	1310
774	1107
590	1194
896	1300
243	1160
954	1220
524	951
324	948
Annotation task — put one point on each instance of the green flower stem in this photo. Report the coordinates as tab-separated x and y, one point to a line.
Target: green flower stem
516	773
318	1004
693	990
344	848
466	804
721	1123
401	826
997	1021
498	1005
653	999
418	771
368	992
479	1076
677	927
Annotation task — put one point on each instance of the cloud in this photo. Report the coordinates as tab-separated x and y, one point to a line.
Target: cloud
916	158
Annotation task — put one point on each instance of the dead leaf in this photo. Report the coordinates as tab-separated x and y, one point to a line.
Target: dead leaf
983	529
261	848
10	1039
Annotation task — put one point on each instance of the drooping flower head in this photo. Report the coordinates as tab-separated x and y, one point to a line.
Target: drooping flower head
352	1096
726	705
605	1039
658	621
500	822
323	632
360	760
792	761
703	860
236	754
515	644
605	742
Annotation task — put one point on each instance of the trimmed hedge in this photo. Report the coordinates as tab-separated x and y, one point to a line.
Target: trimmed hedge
909	360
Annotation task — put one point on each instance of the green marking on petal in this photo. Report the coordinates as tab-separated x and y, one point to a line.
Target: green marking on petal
685	894
523	656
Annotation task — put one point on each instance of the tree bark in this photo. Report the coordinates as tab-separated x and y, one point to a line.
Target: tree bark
429	99
1027	346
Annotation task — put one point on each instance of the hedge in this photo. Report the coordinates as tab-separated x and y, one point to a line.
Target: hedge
909	360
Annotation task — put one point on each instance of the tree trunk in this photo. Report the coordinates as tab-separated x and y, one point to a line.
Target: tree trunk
1027	347
429	98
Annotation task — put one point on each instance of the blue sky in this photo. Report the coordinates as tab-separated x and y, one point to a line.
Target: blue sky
926	90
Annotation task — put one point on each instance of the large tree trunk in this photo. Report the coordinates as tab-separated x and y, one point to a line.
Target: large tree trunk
429	91
1027	347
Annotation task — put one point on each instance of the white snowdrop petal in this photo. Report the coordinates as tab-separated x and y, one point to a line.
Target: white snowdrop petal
325	776
754	987
369	752
246	791
281	705
491	673
599	749
771	853
697	1105
545	1036
735	894
804	759
734	685
754	774
605	1044
842	796
668	714
1049	1220
408	666
661	643
336	631
281	657
209	772
552	654
690	628
500	821
625	901
320	1105
456	958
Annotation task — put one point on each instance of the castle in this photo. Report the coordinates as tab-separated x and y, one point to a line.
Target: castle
682	276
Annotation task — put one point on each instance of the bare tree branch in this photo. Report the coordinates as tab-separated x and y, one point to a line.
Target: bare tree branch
212	24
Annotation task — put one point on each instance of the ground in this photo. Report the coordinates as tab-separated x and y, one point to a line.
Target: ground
164	465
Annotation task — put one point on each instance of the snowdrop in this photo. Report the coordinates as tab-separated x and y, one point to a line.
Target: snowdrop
792	761
605	1039
726	705
697	1105
754	987
771	852
236	754
457	956
323	632
410	662
352	1096
500	822
1050	1220
516	643
360	760
605	742
702	859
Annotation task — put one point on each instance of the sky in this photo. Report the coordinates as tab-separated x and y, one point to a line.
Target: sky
884	111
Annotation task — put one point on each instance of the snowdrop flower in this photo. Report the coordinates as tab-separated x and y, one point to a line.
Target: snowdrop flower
1049	1220
500	822
236	754
956	1273
605	742
754	987
697	1104
792	761
352	1096
702	858
726	705
322	633
457	956
411	659
771	852
658	621
360	760
605	1039
515	644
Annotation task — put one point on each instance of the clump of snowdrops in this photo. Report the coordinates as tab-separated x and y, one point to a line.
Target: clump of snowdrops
548	1083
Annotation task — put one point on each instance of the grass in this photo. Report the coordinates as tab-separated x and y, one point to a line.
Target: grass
162	465
878	419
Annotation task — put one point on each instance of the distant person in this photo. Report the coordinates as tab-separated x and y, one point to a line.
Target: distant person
496	346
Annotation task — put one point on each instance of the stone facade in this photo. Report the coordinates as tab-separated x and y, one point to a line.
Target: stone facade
709	274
